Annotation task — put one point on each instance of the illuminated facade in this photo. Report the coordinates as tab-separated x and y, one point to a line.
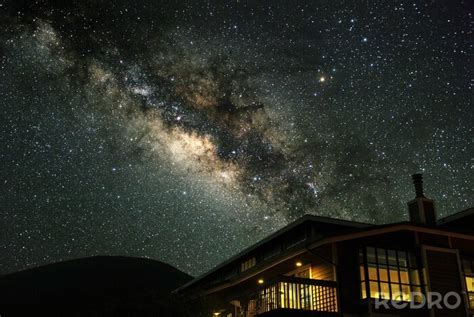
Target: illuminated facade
319	266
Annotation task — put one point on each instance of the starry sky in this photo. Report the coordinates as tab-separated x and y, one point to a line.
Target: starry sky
186	131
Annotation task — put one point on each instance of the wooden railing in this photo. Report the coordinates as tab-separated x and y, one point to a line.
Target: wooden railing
295	293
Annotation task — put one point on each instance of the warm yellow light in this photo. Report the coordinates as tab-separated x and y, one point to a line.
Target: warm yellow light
299	264
322	79
261	281
217	314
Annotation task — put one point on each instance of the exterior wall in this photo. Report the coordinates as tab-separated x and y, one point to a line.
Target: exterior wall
433	240
322	271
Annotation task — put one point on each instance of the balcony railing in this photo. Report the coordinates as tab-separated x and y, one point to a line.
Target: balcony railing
295	293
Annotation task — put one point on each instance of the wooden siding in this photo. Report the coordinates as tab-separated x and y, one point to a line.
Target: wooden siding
444	277
322	271
465	246
433	239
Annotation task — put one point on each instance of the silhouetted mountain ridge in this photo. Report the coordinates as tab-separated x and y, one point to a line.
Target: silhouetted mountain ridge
94	286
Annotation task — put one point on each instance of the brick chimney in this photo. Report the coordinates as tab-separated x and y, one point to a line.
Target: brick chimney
421	209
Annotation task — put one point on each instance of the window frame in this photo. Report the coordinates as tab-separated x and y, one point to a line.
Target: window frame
469	294
248	264
406	263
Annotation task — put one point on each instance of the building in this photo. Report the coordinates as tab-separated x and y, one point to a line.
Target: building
319	266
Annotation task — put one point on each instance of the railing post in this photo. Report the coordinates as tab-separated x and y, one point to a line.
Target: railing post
297	293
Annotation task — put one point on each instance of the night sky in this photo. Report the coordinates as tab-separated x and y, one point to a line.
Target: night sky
184	132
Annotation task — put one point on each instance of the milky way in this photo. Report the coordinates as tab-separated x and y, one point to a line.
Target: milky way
187	132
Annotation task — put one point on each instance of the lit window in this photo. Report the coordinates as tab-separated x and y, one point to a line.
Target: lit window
468	266
248	264
388	274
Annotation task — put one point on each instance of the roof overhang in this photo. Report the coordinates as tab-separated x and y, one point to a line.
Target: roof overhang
456	216
340	238
306	218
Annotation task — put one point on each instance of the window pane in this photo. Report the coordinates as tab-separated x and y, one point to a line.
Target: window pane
406	292
412	260
381	256
414	277
417	297
471	300
470	283
372	272
371	255
248	264
404	276
362	273
374	290
392	257
396	292
384	290
383	274
402	258
394	274
363	290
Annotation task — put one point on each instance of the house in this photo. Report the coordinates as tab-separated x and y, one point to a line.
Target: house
320	266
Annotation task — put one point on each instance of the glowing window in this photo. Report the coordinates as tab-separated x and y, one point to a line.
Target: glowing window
468	267
248	264
388	274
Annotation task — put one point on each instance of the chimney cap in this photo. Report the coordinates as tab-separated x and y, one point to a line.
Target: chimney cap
418	182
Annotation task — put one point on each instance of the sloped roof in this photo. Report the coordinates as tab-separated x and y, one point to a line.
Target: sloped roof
457	216
331	225
461	221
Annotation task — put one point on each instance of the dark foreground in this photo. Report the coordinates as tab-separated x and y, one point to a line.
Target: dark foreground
96	286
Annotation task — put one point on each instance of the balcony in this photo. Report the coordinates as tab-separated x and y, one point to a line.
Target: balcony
291	294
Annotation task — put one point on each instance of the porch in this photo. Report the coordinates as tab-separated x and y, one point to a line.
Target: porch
287	295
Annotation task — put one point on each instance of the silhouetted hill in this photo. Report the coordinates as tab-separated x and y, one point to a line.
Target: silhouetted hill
95	286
